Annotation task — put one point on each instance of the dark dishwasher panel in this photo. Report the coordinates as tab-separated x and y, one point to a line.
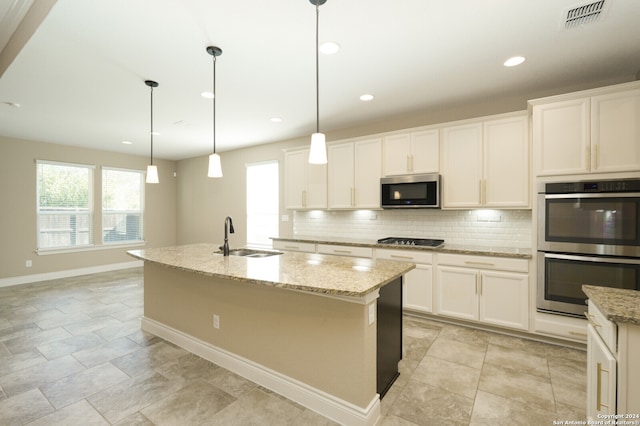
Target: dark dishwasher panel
389	335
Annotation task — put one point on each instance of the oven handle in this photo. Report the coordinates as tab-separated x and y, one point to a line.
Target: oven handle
593	195
599	259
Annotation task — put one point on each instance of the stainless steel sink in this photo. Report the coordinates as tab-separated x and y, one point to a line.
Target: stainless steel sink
245	252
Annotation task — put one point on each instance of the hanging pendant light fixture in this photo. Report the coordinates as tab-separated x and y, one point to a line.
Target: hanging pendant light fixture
152	170
318	150
215	167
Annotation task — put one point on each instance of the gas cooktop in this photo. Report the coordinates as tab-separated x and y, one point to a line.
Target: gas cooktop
427	242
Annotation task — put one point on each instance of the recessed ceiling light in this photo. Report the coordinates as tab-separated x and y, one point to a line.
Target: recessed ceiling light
329	47
127	142
276	119
366	97
207	95
512	62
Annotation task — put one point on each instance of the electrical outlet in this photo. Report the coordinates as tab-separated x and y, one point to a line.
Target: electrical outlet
216	321
372	313
28	264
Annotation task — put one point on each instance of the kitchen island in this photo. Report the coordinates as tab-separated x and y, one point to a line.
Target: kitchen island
306	326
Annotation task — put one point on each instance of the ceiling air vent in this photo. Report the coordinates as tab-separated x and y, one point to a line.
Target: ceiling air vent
584	14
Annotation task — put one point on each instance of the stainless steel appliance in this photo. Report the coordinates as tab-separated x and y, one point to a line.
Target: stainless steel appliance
588	233
561	276
410	191
401	241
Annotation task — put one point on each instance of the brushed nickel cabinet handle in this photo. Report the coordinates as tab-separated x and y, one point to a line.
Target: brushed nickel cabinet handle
592	320
395	256
469	262
342	251
599	403
577	333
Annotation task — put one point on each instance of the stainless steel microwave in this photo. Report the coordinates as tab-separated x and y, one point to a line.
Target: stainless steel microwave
410	191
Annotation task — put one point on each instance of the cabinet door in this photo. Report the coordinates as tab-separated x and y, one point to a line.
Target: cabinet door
462	165
561	137
601	377
397	154
615	132
504	299
506	163
316	192
341	160
456	292
425	149
366	175
418	289
295	179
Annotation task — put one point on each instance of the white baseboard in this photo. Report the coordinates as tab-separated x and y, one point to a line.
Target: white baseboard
26	279
314	399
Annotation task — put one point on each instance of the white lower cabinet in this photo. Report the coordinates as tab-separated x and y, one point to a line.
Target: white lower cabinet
490	290
613	370
417	284
601	377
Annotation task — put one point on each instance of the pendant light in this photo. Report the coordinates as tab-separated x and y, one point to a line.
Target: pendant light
215	168
318	150
152	170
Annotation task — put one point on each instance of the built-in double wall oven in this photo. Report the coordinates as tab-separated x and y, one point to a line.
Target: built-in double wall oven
588	233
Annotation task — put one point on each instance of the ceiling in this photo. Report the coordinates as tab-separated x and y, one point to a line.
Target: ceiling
79	77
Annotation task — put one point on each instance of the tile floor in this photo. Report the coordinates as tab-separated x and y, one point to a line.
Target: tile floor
72	353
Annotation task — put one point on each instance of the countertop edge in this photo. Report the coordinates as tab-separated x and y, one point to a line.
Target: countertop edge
618	305
453	249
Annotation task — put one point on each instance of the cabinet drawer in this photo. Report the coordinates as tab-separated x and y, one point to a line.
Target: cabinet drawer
484	262
559	326
605	328
405	256
345	250
294	246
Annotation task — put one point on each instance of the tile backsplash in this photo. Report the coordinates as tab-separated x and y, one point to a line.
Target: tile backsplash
485	228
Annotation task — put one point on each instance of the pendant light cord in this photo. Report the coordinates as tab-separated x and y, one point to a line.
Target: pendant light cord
214	103
151	125
317	70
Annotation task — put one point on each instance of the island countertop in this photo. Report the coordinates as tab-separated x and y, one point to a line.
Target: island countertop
315	273
618	305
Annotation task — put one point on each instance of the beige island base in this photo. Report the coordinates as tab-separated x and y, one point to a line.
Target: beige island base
302	325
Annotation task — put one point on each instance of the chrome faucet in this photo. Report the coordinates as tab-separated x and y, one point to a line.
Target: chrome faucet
225	246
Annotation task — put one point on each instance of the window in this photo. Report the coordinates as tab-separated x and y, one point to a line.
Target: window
262	203
64	203
122	205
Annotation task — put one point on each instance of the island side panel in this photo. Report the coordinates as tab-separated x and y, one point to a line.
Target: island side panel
323	342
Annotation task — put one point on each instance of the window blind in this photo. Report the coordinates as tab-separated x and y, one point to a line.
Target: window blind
64	203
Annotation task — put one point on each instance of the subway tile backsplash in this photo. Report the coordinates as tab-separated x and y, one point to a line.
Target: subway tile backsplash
485	228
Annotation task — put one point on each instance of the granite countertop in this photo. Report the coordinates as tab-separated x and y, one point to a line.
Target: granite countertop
310	272
520	253
617	305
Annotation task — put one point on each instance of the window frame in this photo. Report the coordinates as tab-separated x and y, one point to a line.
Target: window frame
89	211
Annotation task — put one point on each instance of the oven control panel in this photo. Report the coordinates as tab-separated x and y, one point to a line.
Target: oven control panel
623	185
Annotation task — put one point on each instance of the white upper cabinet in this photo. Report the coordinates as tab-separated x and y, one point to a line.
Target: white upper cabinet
305	184
590	134
561	137
486	164
354	174
462	166
411	153
615	132
506	163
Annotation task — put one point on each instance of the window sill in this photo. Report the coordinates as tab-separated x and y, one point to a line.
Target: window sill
45	252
